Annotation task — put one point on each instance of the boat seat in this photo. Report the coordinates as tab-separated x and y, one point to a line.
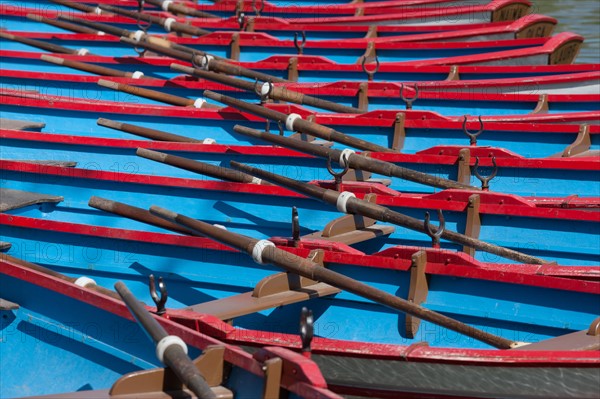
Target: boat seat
14	124
8	305
273	291
15	199
584	340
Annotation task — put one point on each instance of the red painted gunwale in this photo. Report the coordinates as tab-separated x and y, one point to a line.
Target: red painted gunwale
478	89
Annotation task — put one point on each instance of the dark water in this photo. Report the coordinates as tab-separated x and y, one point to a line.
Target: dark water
577	16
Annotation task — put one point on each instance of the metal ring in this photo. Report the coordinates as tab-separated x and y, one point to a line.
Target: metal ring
370	74
300	46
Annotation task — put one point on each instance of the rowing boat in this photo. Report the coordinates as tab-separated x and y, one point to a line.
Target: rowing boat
68	338
515	223
519	300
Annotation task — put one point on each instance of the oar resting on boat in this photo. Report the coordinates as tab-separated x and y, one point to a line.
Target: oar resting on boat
263	251
347	202
170	349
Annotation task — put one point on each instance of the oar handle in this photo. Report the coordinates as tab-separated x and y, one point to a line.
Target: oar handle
181	9
202	168
148	133
170	349
53	48
75	5
265	252
62	24
86	67
295	122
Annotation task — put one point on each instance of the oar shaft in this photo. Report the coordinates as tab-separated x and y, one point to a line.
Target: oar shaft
354	161
174	355
147	93
135	213
106	28
298	124
62	24
86	67
53	48
168	24
75	5
145	132
306	268
215	64
277	93
202	168
383	214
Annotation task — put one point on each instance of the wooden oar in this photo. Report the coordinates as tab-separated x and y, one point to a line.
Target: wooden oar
63	24
268	90
92	68
207	61
156	95
202	168
81	281
176	8
169	24
294	122
170	349
353	160
51	47
148	133
266	252
76	6
347	203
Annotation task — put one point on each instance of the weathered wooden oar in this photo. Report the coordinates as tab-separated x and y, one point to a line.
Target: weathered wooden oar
85	282
264	251
63	24
169	24
51	47
294	122
176	8
170	349
145	132
347	202
353	160
207	61
202	168
268	90
92	68
155	95
78	6
135	213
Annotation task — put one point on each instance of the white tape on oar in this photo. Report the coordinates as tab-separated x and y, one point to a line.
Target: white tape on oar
265	88
83	51
137	75
84	282
166	343
168	23
344	156
166	4
138	34
199	102
342	201
258	249
290	120
100	33
256	180
209	141
220	226
206	59
98	11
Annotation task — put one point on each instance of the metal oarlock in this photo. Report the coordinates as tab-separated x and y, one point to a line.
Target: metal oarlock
339	175
300	45
295	226
370	74
159	301
473	136
435	235
409	101
263	92
143	26
306	330
281	127
260	9
242	20
485	180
